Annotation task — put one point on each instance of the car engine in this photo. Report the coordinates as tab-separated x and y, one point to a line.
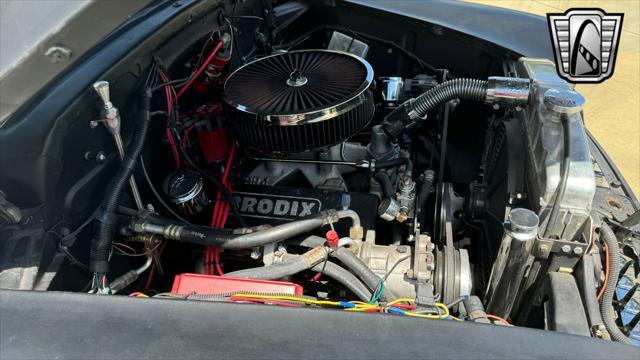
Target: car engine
305	172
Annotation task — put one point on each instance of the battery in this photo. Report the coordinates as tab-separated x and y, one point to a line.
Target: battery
185	284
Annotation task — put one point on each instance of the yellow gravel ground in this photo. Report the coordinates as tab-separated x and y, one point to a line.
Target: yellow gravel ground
612	112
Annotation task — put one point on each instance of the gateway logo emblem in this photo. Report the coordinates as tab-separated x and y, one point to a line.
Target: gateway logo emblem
585	43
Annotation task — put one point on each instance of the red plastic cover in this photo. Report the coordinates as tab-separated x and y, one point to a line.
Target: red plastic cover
210	284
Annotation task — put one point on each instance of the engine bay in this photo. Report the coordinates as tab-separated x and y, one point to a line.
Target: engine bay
293	168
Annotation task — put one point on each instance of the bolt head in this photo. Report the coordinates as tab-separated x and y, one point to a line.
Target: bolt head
566	249
578	250
409	273
101	157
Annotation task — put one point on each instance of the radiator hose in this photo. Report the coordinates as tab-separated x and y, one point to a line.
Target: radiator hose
351	262
606	306
501	91
105	220
315	260
243	238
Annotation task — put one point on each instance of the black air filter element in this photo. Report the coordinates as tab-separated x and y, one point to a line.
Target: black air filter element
300	100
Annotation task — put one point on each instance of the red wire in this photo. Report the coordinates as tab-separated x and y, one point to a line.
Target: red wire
169	91
495	317
222	219
200	69
606	271
186	135
174	150
219	219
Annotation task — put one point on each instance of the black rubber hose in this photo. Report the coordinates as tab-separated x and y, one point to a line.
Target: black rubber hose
385	164
554	217
423	196
587	286
409	113
105	221
344	277
606	304
226	238
205	236
472	89
296	264
361	270
352	262
385	184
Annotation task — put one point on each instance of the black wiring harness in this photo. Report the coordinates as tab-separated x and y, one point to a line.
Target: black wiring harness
106	218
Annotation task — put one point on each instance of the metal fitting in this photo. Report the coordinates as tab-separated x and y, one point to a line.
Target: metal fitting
110	112
507	91
391	90
389	209
330	216
356	232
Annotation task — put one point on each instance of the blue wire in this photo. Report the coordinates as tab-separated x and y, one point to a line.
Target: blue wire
395	310
347	304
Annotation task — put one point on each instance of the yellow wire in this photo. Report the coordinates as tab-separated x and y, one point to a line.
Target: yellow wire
290	298
359	305
399	300
429	316
357	309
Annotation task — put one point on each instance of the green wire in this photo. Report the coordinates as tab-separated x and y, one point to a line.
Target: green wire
378	294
